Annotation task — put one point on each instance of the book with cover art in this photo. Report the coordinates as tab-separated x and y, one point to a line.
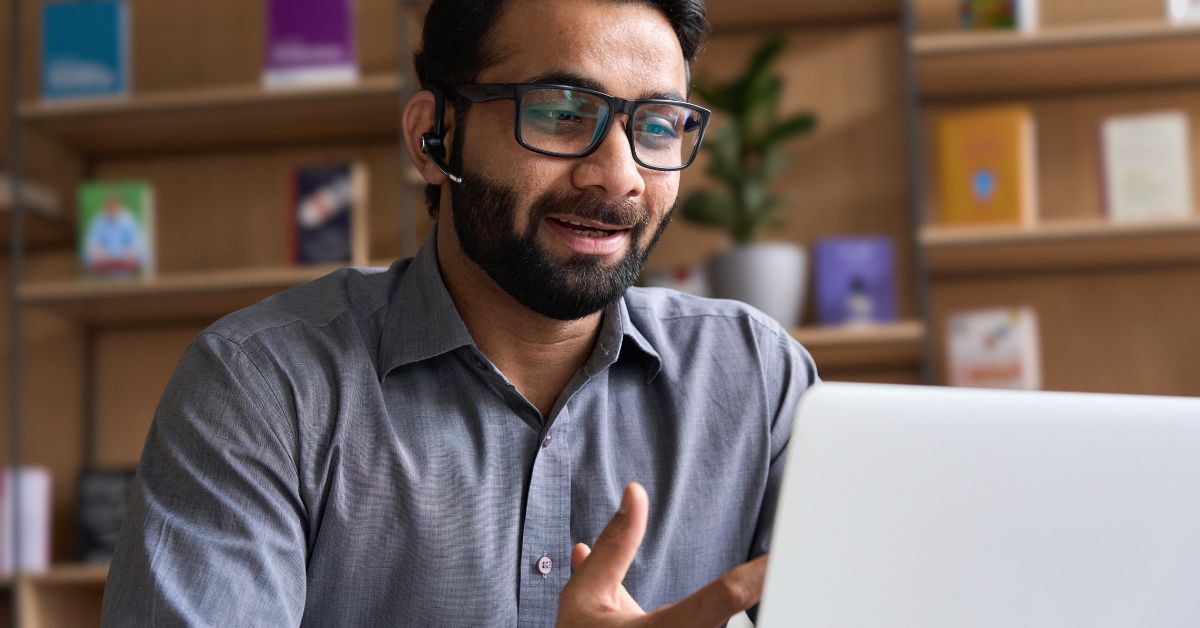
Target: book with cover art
995	348
986	167
310	42
854	280
103	498
999	14
33	512
328	214
85	49
1183	10
1148	166
116	230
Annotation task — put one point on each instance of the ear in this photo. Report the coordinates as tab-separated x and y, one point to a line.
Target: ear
419	118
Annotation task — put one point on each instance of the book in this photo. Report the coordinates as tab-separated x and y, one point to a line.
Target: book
328	214
854	282
85	49
999	14
309	43
987	172
33	512
116	230
1148	166
40	199
1183	10
103	498
994	348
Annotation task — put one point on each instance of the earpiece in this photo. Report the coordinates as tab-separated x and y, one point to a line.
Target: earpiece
433	144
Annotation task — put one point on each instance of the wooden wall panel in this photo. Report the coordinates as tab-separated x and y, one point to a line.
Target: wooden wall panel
1070	177
1122	332
848	177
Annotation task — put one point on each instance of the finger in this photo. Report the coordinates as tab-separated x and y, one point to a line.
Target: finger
613	552
720	599
579	554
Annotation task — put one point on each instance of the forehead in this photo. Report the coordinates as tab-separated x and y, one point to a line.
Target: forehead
627	47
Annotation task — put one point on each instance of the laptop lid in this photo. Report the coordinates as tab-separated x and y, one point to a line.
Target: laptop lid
907	506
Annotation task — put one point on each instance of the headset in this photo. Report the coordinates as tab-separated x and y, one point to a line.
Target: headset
433	144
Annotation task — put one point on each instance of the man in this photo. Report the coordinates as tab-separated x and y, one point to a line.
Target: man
427	445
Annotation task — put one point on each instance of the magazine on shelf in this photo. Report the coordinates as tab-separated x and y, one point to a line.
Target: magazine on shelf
34	508
855	280
994	348
310	43
1148	166
103	498
85	50
1183	10
328	214
987	172
999	15
116	230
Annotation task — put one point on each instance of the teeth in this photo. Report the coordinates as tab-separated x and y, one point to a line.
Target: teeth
590	233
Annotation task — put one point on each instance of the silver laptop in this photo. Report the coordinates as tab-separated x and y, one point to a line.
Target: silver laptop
953	508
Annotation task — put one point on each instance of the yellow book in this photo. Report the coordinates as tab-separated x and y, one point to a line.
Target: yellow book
987	167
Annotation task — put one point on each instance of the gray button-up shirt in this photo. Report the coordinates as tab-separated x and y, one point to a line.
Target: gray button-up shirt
341	454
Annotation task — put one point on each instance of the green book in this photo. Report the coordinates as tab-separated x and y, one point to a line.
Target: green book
116	230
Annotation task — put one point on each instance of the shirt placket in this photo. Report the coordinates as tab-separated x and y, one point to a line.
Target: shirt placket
546	539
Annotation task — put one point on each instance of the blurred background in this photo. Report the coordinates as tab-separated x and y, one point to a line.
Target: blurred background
952	192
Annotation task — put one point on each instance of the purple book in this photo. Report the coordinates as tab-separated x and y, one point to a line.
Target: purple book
855	281
310	42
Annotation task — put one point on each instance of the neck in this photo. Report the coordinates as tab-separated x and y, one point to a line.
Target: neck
539	355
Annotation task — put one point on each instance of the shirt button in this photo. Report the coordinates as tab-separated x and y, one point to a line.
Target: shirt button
545	565
546	441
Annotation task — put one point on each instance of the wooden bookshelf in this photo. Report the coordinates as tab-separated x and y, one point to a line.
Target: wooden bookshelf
1057	59
1061	246
177	297
221	117
41	230
66	595
727	15
863	348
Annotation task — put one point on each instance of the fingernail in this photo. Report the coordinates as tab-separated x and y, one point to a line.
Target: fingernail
624	509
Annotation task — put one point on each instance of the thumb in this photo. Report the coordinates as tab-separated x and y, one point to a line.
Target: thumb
606	564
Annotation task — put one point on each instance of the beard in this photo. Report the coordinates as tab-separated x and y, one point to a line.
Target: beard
485	213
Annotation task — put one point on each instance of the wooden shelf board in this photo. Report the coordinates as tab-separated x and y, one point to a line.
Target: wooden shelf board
851	348
1062	246
727	15
69	574
221	117
194	296
1087	56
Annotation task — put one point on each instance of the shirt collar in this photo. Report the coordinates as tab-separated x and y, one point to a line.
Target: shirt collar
422	322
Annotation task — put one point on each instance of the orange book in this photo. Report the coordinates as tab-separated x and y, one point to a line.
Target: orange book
987	167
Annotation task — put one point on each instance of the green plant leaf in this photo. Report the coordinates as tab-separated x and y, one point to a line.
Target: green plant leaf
794	126
709	208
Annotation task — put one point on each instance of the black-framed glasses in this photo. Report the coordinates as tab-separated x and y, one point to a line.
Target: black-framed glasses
568	121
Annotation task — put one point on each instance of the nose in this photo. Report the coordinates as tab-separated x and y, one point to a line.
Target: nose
610	172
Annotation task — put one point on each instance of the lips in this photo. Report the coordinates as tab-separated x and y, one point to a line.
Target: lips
589	228
587	237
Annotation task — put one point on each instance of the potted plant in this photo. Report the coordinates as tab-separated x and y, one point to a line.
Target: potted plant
745	157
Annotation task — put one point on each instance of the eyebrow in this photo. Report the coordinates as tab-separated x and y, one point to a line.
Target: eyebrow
578	80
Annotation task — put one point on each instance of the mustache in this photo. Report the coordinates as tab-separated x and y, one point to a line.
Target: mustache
591	207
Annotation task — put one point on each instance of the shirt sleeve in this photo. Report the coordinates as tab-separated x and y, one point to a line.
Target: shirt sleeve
215	533
789	372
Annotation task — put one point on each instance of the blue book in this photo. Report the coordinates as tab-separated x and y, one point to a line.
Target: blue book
855	281
328	215
85	49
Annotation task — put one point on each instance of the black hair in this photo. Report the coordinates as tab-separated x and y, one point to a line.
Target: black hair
454	46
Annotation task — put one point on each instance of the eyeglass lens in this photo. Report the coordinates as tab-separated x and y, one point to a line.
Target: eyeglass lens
568	123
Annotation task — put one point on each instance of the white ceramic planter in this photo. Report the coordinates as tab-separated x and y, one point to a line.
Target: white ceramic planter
770	276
